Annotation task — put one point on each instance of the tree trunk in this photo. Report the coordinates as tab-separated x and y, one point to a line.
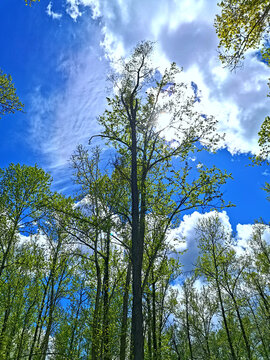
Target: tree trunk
259	331
105	330
25	324
74	327
225	321
249	356
187	321
123	339
222	307
149	323
39	320
154	322
95	334
3	331
10	243
137	351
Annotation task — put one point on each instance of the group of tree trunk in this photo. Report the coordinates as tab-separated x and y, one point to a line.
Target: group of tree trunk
66	284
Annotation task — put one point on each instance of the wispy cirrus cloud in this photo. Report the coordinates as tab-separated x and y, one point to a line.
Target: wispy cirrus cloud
66	115
63	120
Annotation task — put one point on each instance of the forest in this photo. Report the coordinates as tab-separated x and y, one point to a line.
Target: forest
97	275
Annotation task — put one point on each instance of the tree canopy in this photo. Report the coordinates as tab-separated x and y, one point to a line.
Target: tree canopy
99	275
242	25
9	101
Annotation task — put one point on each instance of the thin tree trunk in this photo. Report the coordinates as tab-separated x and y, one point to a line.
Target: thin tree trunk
149	323
124	325
225	321
39	320
154	321
176	348
242	327
222	309
74	327
187	322
53	299
3	331
95	335
25	323
259	331
10	242
105	330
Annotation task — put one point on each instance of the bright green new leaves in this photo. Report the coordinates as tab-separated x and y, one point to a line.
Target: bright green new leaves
150	129
29	2
24	190
264	137
9	101
242	25
264	143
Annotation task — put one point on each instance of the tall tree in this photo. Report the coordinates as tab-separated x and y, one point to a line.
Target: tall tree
133	125
214	248
94	226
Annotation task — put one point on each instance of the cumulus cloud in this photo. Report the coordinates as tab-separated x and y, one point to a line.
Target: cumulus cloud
51	13
244	233
185	34
184	238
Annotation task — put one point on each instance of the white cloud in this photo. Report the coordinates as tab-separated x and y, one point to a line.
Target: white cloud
38	239
73	8
51	13
187	232
266	173
184	237
185	32
244	232
67	116
266	235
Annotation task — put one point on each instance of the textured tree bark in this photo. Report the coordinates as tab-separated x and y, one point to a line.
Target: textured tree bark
105	325
95	336
137	352
149	326
154	322
123	339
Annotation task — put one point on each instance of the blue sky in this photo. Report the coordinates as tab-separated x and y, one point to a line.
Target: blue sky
58	55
